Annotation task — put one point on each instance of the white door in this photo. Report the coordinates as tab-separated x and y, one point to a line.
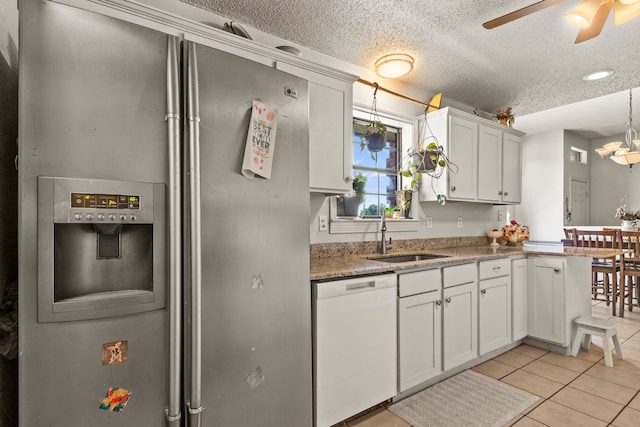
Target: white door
420	336
495	313
519	298
460	321
545	300
463	149
579	203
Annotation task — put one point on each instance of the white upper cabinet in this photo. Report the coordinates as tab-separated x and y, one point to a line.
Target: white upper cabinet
462	149
511	168
487	156
330	129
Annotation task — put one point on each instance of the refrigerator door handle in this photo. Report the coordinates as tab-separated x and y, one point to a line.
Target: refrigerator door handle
193	118
173	412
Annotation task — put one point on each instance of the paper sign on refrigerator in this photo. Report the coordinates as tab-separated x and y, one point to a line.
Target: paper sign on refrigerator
261	139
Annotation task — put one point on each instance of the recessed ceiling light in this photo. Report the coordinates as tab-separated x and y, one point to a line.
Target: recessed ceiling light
597	75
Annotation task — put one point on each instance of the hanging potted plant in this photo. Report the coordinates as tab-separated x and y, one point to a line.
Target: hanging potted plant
374	134
426	156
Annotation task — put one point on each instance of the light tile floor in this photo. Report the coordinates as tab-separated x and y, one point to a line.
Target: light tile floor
573	391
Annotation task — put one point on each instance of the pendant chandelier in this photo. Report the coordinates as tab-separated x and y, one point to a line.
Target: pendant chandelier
628	154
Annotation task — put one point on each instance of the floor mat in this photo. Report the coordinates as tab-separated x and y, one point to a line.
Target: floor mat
467	399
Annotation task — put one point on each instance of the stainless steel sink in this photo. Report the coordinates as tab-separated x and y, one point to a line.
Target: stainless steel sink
407	258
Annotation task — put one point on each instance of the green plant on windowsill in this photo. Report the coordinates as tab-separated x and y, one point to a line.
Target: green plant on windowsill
359	182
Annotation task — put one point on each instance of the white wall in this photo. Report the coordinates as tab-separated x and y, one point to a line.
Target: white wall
542	189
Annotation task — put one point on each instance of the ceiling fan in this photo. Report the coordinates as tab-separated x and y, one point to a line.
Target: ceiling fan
589	16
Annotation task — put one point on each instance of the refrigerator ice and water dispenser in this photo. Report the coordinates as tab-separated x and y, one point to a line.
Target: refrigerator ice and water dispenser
101	248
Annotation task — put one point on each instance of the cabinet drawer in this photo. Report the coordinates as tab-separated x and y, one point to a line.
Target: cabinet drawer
419	282
494	268
459	274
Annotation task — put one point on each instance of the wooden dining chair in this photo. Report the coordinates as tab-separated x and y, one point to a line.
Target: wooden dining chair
630	267
603	271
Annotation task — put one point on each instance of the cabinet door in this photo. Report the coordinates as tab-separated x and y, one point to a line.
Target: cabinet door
330	130
463	149
420	337
545	300
494	304
519	298
489	164
511	169
460	324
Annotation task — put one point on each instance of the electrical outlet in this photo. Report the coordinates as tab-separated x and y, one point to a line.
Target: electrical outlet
429	222
323	223
459	222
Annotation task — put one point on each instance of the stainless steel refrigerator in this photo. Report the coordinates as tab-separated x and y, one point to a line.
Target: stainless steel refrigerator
158	285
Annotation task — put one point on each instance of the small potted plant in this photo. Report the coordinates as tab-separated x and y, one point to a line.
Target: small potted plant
351	202
505	117
628	218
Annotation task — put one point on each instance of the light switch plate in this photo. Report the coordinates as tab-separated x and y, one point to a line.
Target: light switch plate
459	222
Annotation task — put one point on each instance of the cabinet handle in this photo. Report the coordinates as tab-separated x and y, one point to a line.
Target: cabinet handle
348	179
499	193
453	188
483	291
506	193
496	268
438	302
556	269
447	300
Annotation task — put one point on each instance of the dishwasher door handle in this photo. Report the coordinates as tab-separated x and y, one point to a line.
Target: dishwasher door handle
359	286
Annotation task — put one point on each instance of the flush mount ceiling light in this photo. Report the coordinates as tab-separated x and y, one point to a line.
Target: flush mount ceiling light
597	75
624	155
394	65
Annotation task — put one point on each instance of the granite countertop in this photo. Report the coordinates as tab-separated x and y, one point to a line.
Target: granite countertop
341	265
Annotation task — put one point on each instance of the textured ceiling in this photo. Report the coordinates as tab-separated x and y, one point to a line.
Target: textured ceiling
530	64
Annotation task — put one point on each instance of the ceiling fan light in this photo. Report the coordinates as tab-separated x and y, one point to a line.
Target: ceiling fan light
394	65
582	16
603	152
625	11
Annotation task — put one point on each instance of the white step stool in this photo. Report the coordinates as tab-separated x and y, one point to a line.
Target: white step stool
605	328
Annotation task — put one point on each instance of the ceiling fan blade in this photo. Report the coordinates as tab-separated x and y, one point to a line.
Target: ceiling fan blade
625	12
597	23
520	13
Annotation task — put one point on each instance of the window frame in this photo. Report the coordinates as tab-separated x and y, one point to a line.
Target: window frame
340	225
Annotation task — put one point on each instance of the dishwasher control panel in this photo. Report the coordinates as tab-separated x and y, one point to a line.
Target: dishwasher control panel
355	285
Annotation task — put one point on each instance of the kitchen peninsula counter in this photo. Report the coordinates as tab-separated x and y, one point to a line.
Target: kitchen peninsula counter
342	261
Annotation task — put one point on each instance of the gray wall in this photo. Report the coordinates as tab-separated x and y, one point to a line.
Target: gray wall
8	188
611	185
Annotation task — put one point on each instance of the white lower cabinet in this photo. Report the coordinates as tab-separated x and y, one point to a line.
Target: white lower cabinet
519	298
494	304
546	305
495	313
420	338
459	324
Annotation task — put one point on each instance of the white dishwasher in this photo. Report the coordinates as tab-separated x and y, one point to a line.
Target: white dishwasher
354	348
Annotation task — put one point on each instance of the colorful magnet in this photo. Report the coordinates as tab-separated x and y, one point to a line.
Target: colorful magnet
115	400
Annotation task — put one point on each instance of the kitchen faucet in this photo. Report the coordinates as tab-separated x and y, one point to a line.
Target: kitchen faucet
383	229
